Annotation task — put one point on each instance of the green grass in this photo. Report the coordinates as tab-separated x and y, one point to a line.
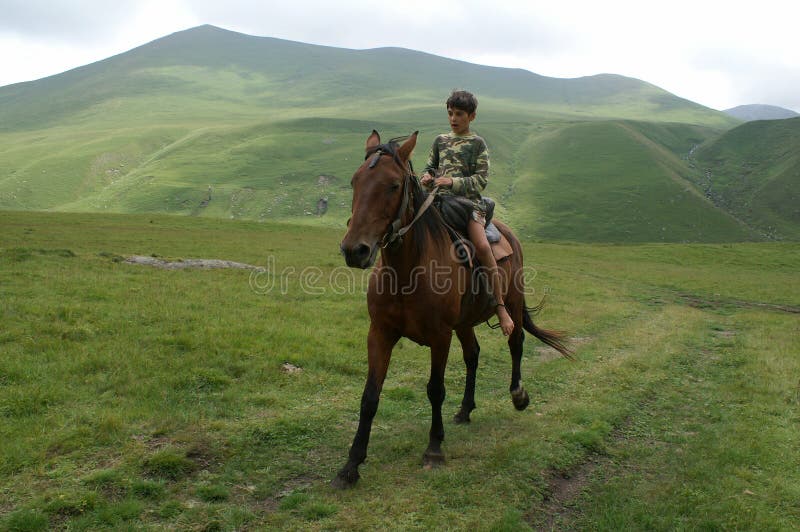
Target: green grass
708	451
137	397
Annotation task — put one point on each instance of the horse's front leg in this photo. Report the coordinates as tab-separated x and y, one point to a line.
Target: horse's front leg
439	350
379	346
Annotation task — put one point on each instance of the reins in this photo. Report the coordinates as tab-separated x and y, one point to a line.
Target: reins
396	230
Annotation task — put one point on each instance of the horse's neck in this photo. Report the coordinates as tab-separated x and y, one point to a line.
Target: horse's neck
407	262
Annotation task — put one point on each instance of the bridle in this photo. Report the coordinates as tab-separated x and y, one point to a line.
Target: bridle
394	234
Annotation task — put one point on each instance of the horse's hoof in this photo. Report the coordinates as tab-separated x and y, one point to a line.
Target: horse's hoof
461	417
345	480
432	460
520	398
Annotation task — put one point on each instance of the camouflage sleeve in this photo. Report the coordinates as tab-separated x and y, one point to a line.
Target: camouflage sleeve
472	185
433	158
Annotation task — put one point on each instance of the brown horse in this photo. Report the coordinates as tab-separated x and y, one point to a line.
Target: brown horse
422	291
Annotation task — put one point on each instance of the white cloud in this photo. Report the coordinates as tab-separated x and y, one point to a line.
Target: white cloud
717	53
64	21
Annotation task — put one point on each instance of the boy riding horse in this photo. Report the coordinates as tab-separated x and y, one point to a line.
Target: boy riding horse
460	159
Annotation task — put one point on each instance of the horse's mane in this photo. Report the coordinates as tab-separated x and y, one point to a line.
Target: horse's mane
429	229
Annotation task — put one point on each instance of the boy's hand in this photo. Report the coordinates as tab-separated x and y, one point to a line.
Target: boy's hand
445	182
426	179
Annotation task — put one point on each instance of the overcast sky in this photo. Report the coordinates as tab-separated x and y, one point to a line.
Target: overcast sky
717	53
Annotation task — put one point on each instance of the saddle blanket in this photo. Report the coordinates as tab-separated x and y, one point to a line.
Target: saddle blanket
501	247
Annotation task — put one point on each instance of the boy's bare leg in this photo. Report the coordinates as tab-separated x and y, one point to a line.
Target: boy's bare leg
477	235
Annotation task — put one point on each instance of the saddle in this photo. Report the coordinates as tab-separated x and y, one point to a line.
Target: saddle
456	212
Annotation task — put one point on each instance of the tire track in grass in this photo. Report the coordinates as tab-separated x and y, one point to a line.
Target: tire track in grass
617	391
714	448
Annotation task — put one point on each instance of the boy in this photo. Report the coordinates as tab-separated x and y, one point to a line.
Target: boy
461	161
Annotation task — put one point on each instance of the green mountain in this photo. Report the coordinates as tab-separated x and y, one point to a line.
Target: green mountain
245	76
209	122
753	171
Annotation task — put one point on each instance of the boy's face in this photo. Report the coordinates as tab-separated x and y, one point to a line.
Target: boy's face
459	120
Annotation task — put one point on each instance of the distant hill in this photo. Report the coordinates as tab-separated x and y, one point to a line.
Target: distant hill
249	77
753	171
208	122
749	113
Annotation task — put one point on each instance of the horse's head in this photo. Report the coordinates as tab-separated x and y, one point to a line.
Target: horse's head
380	194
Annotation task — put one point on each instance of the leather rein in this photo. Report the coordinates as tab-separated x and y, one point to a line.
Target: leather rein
394	234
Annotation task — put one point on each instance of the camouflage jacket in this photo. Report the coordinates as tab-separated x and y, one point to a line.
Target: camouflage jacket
465	159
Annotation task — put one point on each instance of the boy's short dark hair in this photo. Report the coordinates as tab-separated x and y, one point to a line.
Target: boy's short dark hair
463	100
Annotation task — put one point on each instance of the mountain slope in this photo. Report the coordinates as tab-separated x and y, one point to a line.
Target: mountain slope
749	113
611	181
754	172
245	76
208	122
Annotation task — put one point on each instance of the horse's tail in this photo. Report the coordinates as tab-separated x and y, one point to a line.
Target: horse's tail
555	339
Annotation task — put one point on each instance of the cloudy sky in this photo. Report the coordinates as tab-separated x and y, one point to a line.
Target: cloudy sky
717	53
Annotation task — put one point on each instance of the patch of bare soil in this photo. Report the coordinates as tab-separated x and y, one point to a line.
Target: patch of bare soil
298	483
205	264
152	443
288	367
202	454
565	487
268	505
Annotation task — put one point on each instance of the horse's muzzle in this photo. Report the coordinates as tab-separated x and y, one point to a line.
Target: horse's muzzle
359	256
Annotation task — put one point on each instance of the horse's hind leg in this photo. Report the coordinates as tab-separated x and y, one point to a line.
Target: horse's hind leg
518	394
515	304
471	349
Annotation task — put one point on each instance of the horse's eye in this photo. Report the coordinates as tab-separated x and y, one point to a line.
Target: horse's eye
395	187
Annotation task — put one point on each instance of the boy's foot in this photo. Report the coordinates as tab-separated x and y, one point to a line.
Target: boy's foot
506	323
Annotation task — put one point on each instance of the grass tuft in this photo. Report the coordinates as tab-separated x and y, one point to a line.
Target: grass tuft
169	465
318	510
147	489
213	493
72	504
26	521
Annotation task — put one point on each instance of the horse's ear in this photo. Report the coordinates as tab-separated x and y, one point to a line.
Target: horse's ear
373	140
408	146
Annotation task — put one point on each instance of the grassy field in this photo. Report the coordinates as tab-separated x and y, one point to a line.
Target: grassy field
134	397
